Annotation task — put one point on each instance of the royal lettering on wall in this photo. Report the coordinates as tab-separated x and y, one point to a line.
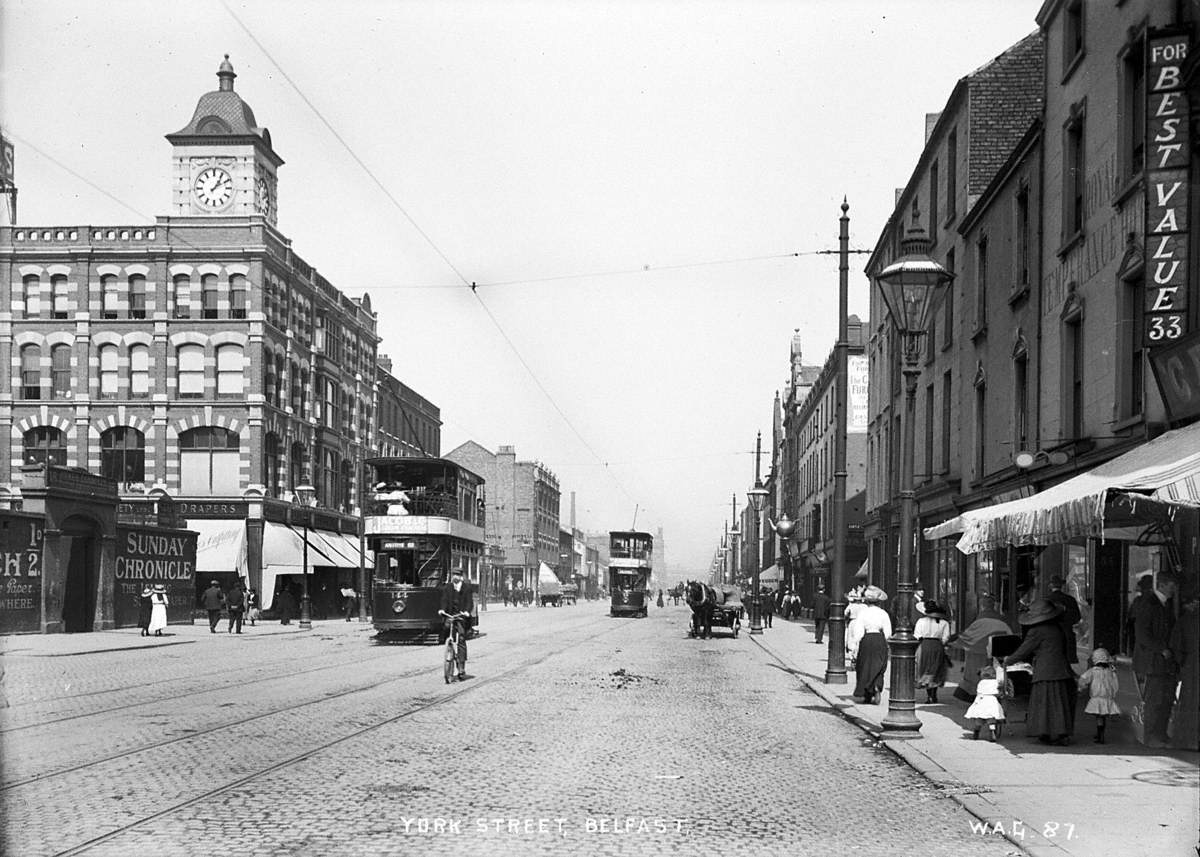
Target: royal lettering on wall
1167	155
149	556
21	541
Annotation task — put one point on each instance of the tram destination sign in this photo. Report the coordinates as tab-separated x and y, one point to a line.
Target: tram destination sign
1167	189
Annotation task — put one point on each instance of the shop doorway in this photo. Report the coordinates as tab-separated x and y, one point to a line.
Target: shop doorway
83	574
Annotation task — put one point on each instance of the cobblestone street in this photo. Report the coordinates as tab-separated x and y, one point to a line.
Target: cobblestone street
576	734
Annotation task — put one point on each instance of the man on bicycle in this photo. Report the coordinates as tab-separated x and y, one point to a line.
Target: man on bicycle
456	611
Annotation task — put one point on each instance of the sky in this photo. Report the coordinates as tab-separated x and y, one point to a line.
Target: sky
627	183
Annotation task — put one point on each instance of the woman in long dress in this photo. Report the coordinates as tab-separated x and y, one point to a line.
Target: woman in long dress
145	608
867	638
1051	711
933	631
158	610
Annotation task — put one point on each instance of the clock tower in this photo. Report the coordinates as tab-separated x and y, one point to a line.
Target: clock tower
223	163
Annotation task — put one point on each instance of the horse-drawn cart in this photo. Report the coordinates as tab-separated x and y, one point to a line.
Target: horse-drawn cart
714	606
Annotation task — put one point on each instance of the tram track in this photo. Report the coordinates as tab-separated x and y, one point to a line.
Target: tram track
414	707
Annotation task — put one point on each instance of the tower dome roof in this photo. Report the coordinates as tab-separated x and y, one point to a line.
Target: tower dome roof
223	113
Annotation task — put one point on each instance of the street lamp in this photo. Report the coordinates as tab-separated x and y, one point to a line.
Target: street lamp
306	495
910	286
758	501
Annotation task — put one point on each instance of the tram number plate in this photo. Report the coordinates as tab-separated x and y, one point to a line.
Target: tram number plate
398	546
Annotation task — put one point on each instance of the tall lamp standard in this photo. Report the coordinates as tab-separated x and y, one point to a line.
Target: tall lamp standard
909	286
758	501
734	535
306	495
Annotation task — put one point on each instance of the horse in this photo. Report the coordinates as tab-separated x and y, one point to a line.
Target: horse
701	598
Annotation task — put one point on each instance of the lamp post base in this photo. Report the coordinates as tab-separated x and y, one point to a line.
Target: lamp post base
305	614
902	707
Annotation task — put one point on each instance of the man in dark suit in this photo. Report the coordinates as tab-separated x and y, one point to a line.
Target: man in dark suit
456	602
820	612
1153	662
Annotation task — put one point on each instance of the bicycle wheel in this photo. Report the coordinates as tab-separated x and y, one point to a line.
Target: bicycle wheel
448	671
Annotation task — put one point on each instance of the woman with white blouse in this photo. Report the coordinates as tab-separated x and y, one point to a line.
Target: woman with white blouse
933	632
867	637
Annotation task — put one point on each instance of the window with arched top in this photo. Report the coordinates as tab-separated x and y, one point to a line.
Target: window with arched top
231	371
344	484
272	463
181	296
209	461
60	372
107	358
208	296
190	371
110	299
44	445
59	302
31	372
123	454
137	296
238	295
31	294
296	468
139	371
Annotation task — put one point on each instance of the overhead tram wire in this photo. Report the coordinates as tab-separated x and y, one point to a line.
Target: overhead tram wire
420	231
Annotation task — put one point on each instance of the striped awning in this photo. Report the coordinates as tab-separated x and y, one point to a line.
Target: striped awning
1163	471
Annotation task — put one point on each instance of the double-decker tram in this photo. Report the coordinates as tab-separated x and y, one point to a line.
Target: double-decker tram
424	520
629	553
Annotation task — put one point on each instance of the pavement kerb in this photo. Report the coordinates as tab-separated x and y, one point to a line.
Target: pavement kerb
905	751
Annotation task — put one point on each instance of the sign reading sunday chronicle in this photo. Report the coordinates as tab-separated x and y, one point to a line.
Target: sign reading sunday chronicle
1167	192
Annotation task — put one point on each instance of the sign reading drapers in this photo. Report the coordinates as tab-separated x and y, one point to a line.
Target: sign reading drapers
1167	156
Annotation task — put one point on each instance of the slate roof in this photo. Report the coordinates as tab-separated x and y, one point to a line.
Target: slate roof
1005	96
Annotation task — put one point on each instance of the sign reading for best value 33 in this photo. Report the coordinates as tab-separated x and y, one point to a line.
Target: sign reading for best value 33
1167	154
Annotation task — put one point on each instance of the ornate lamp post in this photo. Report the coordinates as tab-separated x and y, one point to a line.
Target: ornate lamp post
306	495
758	501
785	528
910	286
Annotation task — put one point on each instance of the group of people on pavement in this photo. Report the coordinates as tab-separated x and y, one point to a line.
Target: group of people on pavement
240	603
152	610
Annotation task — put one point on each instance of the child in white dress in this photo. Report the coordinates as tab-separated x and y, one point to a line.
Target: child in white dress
986	710
1101	679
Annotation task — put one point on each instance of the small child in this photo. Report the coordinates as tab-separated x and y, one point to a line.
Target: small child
986	709
1102	680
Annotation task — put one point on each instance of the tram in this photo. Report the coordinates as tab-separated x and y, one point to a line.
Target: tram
424	520
629	554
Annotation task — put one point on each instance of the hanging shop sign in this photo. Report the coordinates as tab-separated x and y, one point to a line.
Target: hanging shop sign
1177	371
1167	191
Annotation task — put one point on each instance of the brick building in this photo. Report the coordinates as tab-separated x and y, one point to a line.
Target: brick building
202	357
523	500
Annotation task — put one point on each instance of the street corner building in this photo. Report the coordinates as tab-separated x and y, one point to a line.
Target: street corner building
194	372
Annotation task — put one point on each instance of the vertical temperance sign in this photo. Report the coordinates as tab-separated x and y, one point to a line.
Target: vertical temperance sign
1167	153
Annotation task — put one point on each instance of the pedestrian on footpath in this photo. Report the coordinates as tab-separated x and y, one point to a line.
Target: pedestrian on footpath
237	607
821	604
1153	661
766	602
1185	644
933	631
349	601
253	606
285	605
974	641
145	609
1051	718
1101	681
986	710
660	598
158	610
867	639
213	599
1070	617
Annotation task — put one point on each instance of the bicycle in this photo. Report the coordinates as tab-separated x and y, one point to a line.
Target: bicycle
452	668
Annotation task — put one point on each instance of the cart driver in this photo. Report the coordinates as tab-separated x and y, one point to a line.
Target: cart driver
456	601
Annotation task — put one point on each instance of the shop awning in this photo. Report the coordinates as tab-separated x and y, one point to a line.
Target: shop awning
220	545
772	573
1163	472
283	553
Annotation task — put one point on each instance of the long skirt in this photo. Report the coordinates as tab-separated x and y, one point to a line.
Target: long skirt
158	618
1051	712
870	665
931	663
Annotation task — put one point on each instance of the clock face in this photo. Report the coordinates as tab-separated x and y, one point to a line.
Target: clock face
213	187
264	196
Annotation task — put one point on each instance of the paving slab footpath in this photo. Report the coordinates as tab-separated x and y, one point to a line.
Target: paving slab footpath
1083	800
